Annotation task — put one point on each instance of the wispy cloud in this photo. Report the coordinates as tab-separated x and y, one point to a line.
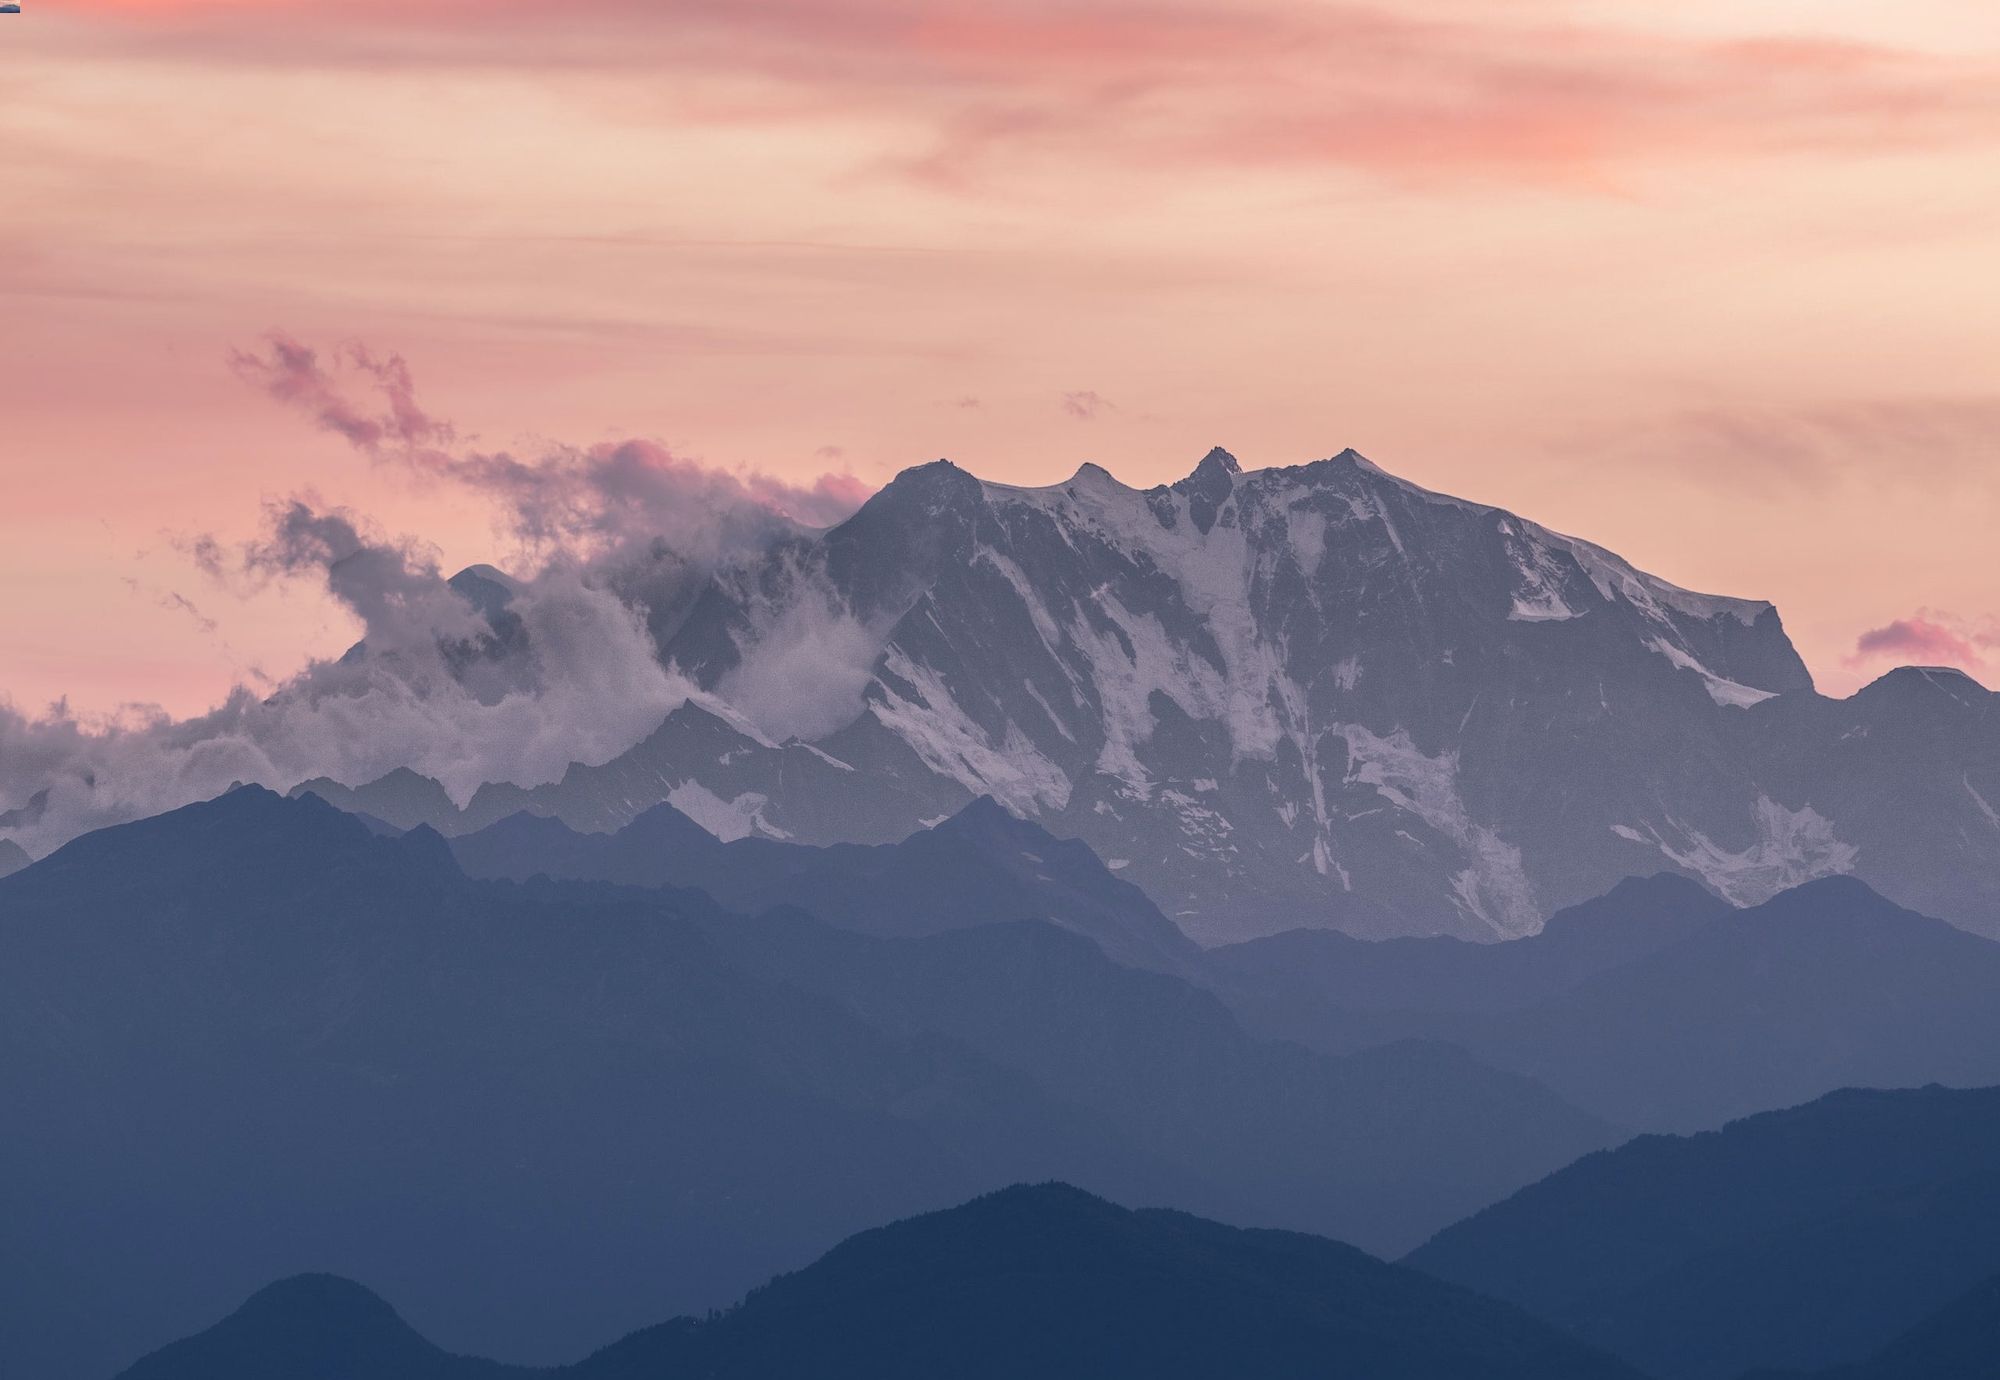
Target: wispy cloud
1087	405
582	502
1416	93
1813	443
293	374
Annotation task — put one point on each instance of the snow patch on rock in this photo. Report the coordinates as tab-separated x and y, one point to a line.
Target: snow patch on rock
1792	847
1720	689
1493	886
1012	770
728	820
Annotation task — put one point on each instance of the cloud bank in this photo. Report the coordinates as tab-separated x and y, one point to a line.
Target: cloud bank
485	678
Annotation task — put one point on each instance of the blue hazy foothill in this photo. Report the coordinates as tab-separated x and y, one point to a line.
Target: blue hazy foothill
1040	1281
539	1115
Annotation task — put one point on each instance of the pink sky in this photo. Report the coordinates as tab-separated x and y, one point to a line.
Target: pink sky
1713	284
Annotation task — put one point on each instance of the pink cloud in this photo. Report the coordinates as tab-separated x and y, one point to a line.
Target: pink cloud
585	501
1415	93
1928	637
292	374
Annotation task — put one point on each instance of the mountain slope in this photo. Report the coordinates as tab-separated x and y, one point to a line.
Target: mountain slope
1376	1148
1333	992
1315	695
979	867
256	1037
1043	1281
1658	1007
13	857
1825	986
252	1037
1803	1238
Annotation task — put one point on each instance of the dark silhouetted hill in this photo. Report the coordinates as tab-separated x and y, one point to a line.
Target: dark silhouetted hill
1803	1238
314	1327
253	1037
1046	1281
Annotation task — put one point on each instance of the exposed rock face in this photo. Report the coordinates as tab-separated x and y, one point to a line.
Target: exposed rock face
1314	695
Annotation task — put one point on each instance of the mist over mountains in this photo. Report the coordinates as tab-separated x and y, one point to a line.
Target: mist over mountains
1298	849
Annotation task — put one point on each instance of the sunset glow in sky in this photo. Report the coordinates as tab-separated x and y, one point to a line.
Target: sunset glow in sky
1715	284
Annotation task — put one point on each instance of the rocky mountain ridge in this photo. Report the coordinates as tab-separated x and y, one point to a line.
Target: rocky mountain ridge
1310	695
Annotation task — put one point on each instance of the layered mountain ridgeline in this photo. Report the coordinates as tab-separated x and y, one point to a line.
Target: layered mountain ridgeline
1313	695
1657	1008
13	857
1799	1239
255	1034
1328	989
1044	1281
981	866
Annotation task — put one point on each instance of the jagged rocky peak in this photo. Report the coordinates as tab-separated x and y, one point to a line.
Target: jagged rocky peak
1209	487
1218	466
939	485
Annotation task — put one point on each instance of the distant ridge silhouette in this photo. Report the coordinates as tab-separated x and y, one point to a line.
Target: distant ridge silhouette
1039	1281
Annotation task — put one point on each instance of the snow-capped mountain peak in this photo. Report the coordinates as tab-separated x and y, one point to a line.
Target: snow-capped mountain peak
1316	694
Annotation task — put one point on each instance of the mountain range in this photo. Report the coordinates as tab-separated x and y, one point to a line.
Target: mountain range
1656	1006
980	866
1309	695
1044	1281
1158	842
257	1034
